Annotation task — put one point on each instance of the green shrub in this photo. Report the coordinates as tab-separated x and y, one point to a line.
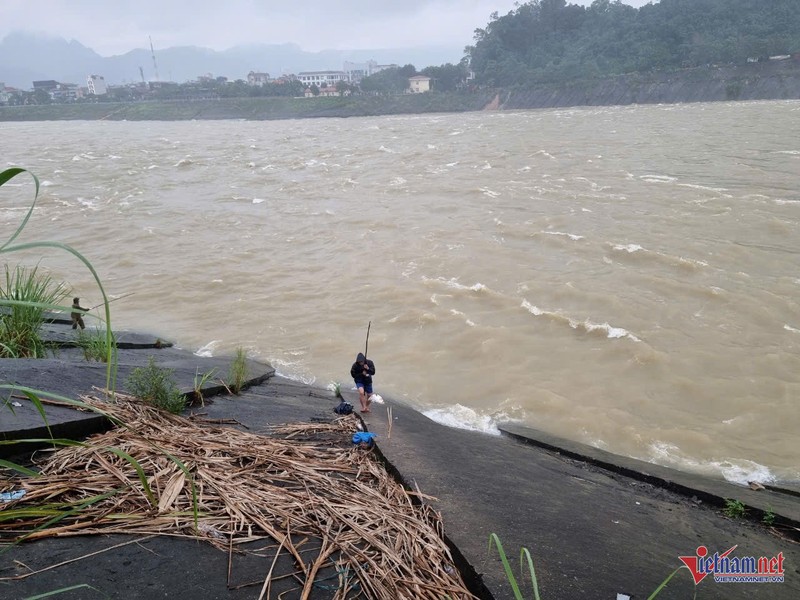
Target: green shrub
156	385
20	323
734	509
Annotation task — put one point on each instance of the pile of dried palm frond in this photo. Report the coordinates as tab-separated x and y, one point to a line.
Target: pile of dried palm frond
304	488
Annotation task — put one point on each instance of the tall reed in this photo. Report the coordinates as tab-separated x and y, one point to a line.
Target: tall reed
26	293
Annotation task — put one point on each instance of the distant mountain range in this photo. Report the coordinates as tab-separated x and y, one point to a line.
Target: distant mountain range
27	57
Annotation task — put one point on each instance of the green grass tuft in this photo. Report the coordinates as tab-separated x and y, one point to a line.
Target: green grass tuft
157	386
95	345
237	375
200	380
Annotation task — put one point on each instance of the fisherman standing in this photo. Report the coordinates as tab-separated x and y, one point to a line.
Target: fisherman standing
77	313
361	372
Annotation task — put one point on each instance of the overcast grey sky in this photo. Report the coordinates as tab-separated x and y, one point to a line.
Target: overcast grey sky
116	26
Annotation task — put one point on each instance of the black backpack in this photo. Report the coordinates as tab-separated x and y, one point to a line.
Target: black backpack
344	408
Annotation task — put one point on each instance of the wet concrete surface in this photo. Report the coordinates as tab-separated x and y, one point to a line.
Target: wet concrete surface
596	524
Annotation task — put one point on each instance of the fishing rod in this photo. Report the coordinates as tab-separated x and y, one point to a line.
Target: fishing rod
114	300
366	346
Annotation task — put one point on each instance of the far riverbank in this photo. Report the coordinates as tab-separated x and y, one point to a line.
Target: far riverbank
758	81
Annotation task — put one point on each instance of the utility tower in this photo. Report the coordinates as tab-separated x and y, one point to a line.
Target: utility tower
153	53
141	73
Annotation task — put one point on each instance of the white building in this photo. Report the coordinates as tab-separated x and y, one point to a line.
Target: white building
419	84
309	78
357	71
97	85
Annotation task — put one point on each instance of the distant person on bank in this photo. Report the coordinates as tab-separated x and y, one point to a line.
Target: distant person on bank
361	372
77	314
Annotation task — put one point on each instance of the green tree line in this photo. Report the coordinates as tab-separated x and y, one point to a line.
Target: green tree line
553	41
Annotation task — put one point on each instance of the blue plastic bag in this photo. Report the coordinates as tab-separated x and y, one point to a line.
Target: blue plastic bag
10	496
363	437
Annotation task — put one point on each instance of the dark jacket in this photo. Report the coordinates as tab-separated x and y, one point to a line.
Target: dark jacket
362	370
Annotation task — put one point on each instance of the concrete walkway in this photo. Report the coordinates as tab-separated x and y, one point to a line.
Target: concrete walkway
596	524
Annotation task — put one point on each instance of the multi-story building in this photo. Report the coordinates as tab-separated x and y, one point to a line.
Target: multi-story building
96	85
357	71
419	84
259	79
317	78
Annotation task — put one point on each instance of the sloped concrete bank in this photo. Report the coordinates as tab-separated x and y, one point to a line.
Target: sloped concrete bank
760	81
596	524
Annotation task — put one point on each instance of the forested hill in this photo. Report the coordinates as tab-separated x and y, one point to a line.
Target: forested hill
552	41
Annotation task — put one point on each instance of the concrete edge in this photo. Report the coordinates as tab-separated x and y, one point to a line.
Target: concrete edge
685	484
92	423
472	579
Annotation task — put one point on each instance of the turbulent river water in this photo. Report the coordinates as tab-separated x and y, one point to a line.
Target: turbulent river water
627	277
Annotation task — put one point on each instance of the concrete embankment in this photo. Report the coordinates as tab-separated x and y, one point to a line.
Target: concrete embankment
597	525
761	81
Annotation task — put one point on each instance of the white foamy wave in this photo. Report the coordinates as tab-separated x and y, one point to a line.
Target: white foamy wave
462	417
87	203
490	193
46	183
467	321
586	325
207	351
657	178
611	331
184	162
453	283
534	310
291	370
387	150
692	262
790	328
740	471
410	268
397	181
628	248
675	261
571	236
258	200
705	188
782	202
